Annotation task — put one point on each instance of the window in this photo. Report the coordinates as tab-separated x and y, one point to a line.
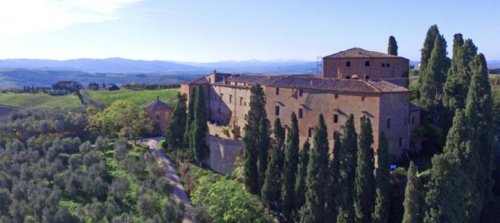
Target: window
230	98
400	141
157	117
277	91
336	96
383	65
348	77
367	77
241	101
348	63
335	118
309	132
367	63
388	123
388	65
277	110
412	119
301	113
300	92
362	98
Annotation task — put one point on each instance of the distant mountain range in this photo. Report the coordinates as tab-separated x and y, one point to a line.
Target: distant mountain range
124	66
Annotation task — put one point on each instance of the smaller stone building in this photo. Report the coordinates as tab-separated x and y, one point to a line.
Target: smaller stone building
159	112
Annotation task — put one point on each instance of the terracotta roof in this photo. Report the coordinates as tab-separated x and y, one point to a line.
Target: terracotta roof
360	53
317	82
157	105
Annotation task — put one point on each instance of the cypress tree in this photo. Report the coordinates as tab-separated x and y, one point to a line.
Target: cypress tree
174	136
413	202
189	118
300	180
271	188
263	146
392	49
459	76
479	110
432	81
290	169
432	33
382	181
347	165
364	182
314	207
251	141
333	175
199	127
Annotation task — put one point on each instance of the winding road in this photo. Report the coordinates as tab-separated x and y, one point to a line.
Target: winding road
179	193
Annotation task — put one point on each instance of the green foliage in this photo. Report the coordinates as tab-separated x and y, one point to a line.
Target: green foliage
347	165
270	192
333	175
290	169
317	178
121	118
189	118
174	135
414	197
364	187
382	182
137	97
432	33
300	180
39	100
255	142
227	201
432	80
392	49
199	128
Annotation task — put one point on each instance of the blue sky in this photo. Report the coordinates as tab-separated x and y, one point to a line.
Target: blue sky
219	30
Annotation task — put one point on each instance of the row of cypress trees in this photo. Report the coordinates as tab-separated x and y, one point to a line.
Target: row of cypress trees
188	126
306	185
459	101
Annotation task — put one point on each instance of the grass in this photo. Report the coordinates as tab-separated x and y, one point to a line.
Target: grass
138	97
40	100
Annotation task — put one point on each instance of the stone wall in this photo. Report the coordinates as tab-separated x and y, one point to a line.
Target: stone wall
378	67
223	152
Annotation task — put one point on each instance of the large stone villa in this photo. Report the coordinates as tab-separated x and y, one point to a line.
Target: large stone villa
357	81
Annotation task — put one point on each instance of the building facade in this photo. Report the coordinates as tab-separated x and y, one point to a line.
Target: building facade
385	103
159	113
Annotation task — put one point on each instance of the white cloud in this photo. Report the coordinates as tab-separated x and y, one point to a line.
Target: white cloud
19	17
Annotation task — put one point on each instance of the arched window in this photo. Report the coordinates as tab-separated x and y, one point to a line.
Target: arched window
348	63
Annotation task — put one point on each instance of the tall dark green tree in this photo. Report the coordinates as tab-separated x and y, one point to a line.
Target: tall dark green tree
199	127
414	197
314	207
432	81
382	182
333	175
174	135
290	169
426	51
479	110
392	49
347	165
458	79
255	118
272	185
263	146
300	180
189	118
364	183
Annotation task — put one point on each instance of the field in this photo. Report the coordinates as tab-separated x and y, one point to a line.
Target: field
40	101
138	97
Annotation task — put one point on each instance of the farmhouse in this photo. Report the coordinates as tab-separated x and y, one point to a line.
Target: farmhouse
355	81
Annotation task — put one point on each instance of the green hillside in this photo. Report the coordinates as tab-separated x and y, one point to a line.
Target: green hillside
138	97
40	100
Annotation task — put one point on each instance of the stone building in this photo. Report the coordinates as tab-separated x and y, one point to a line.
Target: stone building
159	113
359	90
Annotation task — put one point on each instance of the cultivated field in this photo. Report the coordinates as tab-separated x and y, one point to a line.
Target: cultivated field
40	101
138	97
